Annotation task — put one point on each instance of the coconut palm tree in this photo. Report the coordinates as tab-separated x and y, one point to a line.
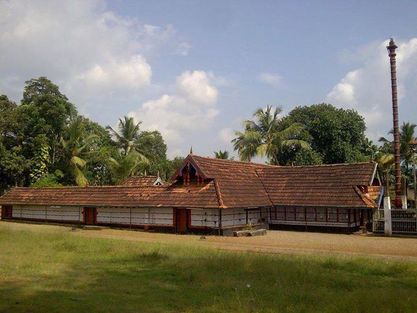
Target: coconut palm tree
408	142
75	144
124	166
127	134
370	149
221	154
385	162
408	147
266	136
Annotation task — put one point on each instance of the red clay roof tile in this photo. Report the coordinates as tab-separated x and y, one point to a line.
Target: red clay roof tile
229	184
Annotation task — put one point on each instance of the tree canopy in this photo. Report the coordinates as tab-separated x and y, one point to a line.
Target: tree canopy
337	135
45	142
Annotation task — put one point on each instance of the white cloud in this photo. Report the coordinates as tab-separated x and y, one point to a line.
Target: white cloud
127	74
226	135
367	89
190	109
271	79
196	88
89	51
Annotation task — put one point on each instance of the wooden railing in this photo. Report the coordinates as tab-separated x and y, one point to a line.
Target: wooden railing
403	222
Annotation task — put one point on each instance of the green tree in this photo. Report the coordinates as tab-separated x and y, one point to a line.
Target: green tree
303	157
41	158
408	146
76	145
369	149
97	170
13	168
337	135
49	180
124	166
44	110
152	145
8	122
221	154
127	134
266	136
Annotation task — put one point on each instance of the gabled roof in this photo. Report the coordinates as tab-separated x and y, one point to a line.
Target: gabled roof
237	183
121	196
324	185
228	184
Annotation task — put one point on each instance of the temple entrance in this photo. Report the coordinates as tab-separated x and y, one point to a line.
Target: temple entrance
181	220
90	216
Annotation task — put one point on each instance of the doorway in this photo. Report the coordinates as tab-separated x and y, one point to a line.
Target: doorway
6	211
181	220
90	215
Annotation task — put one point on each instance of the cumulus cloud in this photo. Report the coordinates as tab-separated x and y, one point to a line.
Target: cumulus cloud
90	51
367	88
226	135
271	79
190	108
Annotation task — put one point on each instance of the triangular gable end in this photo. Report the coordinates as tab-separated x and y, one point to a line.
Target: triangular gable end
190	167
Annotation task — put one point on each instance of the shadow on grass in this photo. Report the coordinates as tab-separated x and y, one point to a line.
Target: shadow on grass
100	275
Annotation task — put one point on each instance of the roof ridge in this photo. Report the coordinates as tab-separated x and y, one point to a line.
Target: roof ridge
365	198
322	165
89	187
219	194
263	186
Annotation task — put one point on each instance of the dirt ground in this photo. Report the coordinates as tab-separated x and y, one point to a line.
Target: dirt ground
286	242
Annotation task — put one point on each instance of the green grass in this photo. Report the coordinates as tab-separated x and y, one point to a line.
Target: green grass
53	270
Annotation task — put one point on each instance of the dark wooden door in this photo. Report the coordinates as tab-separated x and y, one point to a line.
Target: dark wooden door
7	211
181	221
90	216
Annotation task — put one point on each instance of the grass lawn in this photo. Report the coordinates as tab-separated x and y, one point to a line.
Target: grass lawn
45	269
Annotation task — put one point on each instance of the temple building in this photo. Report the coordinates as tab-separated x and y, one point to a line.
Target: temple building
214	196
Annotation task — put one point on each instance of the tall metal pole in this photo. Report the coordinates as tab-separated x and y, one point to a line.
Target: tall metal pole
397	158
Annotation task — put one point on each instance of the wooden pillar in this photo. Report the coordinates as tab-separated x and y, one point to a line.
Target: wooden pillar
220	222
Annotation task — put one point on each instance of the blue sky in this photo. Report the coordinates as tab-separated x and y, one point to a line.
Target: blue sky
196	69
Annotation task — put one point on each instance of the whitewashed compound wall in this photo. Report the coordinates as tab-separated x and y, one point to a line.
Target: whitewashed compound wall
204	218
230	217
51	213
135	216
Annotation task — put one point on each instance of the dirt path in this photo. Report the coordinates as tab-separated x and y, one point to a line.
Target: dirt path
287	242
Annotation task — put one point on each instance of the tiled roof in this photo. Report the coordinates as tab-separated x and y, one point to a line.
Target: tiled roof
325	185
140	181
171	196
238	183
228	184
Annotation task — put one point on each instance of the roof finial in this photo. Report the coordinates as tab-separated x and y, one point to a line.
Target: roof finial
157	175
191	150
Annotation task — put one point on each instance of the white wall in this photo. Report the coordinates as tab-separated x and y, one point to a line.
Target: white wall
230	217
204	218
56	213
136	216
